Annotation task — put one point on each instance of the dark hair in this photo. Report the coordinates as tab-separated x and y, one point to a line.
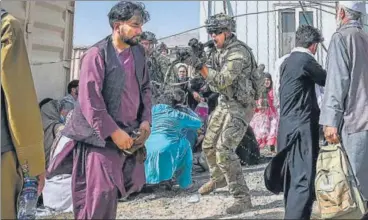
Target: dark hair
124	10
172	97
196	83
183	66
73	84
44	101
307	35
268	76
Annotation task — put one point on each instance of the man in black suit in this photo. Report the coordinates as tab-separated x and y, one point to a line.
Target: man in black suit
298	137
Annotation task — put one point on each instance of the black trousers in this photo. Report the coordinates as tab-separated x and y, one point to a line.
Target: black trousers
300	175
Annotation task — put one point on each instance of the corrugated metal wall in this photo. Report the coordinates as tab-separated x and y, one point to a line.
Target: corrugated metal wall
48	30
75	66
260	30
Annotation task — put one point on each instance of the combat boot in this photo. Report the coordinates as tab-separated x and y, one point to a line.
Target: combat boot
210	186
239	206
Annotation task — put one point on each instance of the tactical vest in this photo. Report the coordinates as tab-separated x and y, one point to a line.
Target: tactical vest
244	86
78	128
246	89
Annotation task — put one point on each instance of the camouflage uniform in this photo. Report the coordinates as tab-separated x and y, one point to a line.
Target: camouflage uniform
230	75
170	74
157	66
157	63
162	47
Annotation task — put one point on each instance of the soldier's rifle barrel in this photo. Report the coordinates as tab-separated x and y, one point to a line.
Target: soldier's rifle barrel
170	84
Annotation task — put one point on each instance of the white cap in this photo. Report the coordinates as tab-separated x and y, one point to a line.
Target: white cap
358	6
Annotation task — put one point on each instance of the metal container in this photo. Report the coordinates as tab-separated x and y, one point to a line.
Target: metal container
76	58
48	31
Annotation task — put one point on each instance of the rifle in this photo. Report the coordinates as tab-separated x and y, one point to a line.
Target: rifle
211	46
197	47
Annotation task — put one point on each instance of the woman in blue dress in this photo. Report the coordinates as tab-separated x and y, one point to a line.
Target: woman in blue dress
169	152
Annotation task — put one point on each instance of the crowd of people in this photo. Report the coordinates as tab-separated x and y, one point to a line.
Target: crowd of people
134	119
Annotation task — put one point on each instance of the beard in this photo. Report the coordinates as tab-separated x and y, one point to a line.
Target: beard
130	41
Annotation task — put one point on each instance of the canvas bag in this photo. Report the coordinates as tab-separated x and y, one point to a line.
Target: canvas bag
336	190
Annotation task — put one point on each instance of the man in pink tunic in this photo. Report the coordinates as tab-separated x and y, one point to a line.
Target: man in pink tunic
114	98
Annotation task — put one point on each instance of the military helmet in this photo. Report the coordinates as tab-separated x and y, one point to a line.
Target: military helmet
220	22
147	35
162	47
193	41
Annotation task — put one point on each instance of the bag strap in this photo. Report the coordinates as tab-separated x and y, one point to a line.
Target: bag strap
350	168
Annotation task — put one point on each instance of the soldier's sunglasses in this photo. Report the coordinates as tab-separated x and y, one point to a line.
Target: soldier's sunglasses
216	32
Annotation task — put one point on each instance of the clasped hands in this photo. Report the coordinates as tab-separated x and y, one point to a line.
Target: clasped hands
125	142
